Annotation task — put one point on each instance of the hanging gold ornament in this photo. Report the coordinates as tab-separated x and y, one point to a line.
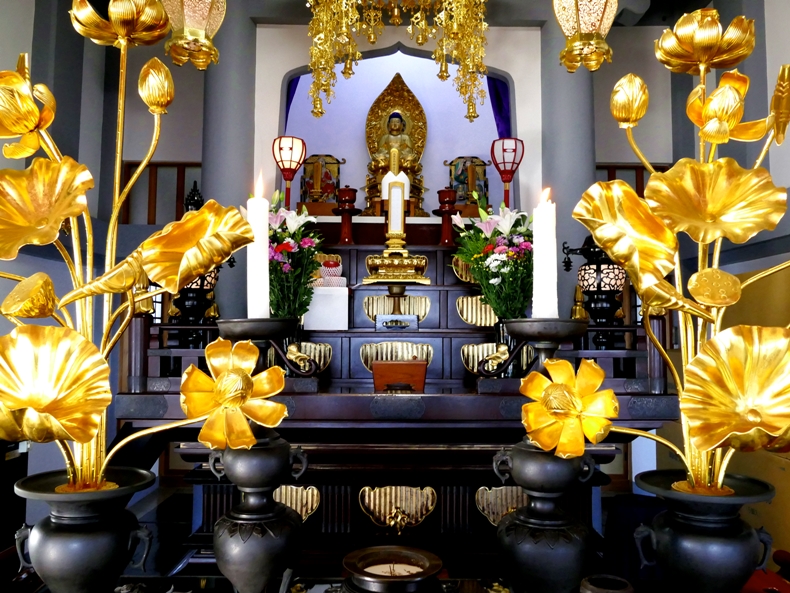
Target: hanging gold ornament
194	22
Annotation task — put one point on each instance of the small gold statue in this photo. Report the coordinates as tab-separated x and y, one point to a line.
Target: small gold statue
396	138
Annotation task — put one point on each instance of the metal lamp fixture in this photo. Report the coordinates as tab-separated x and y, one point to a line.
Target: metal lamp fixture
585	24
506	153
601	280
289	153
194	23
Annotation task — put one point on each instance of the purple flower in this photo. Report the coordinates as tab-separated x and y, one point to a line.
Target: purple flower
274	255
286	267
306	242
517	239
500	241
487	226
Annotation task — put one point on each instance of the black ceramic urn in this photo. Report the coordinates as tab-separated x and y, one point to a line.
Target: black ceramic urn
256	539
543	550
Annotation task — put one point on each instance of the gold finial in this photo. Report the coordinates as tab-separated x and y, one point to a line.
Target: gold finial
394	161
578	311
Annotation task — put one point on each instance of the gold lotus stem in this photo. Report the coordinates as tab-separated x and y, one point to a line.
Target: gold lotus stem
702	264
67	317
712	152
13	277
13	320
629	133
123	307
654	437
764	273
703	75
652	337
716	253
766	148
107	347
116	184
81	311
61	321
723	467
68	455
49	146
146	432
86	217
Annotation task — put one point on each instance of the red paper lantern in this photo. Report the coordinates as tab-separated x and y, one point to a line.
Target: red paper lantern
506	153
289	153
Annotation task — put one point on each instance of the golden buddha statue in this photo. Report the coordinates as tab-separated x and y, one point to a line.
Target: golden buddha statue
395	120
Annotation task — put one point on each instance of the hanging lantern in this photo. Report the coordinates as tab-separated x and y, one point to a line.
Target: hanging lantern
506	153
289	153
585	24
194	23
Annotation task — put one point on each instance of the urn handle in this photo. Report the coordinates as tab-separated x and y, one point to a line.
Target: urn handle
642	532
21	537
213	458
503	457
141	534
767	541
297	453
588	468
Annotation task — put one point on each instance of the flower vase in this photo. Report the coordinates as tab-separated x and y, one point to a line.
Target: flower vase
700	543
256	539
88	538
543	550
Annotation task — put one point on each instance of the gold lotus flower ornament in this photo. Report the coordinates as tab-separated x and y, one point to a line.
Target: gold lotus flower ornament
568	407
35	202
156	86
231	395
719	199
54	385
135	22
19	114
719	116
32	298
629	100
697	42
631	235
178	254
780	104
737	391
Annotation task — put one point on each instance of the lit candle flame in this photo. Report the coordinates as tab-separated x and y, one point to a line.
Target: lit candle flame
258	193
545	196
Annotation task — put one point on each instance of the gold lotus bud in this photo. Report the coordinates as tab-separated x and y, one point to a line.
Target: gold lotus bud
136	22
629	100
697	41
721	113
33	298
780	104
156	86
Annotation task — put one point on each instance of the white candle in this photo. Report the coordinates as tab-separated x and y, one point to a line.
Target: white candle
395	189
544	259
258	254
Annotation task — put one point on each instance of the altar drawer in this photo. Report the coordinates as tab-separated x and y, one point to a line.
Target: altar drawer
358	370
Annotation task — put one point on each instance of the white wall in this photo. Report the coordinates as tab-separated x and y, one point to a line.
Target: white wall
341	131
182	127
634	52
777	16
16	36
283	48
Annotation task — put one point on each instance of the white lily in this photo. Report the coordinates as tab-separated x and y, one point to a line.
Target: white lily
507	219
457	220
294	221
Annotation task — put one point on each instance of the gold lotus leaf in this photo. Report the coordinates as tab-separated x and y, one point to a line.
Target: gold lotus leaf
35	202
662	295
737	390
629	100
155	86
780	104
178	254
135	22
54	385
625	228
715	288
19	114
697	40
568	407
719	116
231	395
32	298
719	199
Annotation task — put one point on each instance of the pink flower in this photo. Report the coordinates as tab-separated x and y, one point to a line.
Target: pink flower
500	249
286	267
487	226
457	220
306	242
275	220
526	245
